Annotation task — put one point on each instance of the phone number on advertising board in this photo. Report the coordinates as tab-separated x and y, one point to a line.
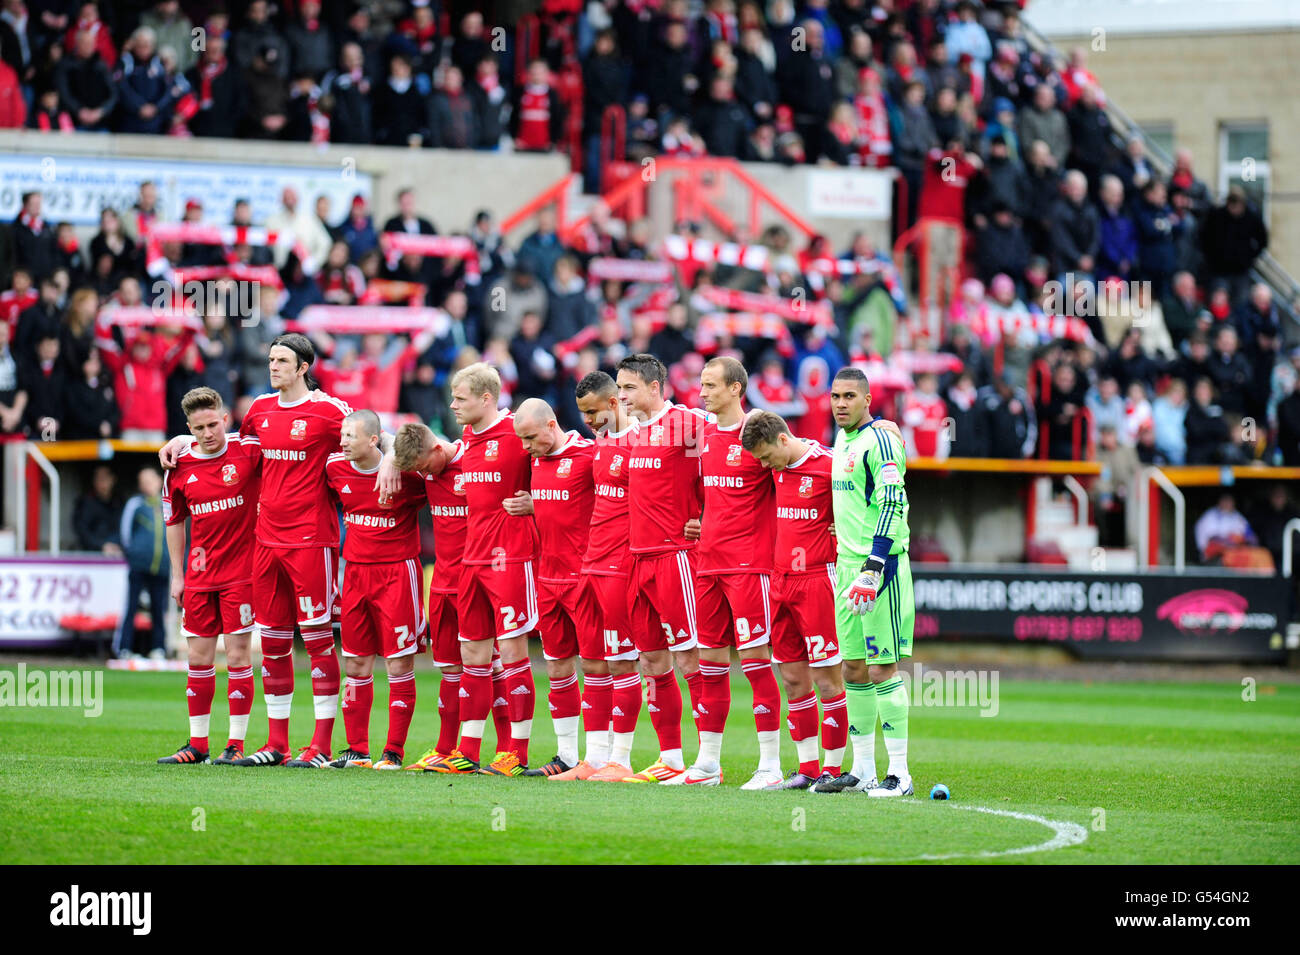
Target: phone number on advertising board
1112	629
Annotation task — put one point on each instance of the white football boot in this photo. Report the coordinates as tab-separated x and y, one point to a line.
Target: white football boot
763	778
893	786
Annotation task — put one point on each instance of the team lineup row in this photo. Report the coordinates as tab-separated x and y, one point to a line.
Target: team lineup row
674	537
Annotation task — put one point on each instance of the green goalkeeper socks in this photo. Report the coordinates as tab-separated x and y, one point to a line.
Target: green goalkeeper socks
891	700
862	727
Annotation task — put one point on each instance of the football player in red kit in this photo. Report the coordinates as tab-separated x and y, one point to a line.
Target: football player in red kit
664	493
438	462
611	698
804	643
417	449
733	566
498	591
295	553
383	612
561	496
214	486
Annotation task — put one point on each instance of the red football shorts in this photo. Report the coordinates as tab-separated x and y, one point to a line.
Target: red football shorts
497	603
734	611
444	628
569	620
662	609
382	610
611	595
804	622
294	586
207	613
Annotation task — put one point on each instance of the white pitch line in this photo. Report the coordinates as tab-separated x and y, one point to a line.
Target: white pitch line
1064	834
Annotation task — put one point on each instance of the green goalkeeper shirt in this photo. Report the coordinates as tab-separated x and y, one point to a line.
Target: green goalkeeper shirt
868	496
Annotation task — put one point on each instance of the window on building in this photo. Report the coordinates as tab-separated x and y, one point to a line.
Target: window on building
1161	135
1244	161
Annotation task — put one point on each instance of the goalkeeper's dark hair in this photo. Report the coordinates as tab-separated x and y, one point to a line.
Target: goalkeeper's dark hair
762	427
596	383
855	375
302	347
646	367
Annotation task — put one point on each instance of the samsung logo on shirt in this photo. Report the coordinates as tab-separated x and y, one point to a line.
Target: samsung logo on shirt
843	485
211	507
610	490
550	494
645	463
797	513
481	477
277	454
441	511
716	481
370	520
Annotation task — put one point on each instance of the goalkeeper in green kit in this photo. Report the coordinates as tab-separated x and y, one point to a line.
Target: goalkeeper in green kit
874	609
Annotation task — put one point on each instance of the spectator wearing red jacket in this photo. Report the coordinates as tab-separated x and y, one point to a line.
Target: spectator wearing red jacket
948	173
20	295
771	391
873	121
88	19
140	374
537	118
372	379
13	109
924	413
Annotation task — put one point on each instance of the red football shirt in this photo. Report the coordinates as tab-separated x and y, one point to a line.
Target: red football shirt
943	187
923	417
564	494
496	466
664	479
739	523
376	533
12	304
218	493
607	545
446	496
349	386
296	440
804	514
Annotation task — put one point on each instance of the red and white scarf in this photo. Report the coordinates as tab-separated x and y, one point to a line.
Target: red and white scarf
34	223
208	72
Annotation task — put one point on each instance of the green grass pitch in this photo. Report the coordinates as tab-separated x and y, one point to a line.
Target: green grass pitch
1149	773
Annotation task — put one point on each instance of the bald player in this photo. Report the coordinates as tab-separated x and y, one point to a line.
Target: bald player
561	496
382	611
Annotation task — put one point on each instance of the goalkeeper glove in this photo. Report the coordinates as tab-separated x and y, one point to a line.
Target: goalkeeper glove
862	594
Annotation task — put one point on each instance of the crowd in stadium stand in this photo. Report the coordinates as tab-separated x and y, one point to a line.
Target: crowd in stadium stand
985	132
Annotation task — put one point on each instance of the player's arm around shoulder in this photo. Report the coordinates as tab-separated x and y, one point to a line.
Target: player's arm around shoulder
519	505
887	457
175	514
888	427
